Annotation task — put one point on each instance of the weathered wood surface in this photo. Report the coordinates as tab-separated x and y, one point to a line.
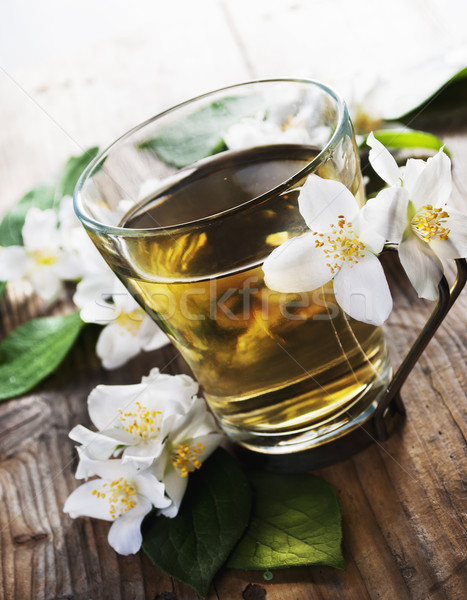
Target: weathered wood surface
403	501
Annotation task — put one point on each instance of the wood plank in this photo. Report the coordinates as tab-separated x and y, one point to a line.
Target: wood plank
79	99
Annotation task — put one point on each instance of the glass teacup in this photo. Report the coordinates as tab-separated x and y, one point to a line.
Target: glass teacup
186	207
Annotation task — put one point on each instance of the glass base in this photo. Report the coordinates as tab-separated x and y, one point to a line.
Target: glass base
329	451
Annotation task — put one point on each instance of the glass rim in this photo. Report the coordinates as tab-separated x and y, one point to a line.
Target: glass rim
342	121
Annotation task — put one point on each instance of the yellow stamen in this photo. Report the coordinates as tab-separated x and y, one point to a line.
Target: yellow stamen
429	222
140	422
343	243
44	258
184	458
120	495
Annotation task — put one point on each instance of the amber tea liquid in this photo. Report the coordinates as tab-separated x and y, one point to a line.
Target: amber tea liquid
281	372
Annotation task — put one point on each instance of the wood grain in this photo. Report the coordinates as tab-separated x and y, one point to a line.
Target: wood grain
403	501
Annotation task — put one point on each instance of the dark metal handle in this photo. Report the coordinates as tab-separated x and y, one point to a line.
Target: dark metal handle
391	402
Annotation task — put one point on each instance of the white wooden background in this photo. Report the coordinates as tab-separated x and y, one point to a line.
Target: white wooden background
79	73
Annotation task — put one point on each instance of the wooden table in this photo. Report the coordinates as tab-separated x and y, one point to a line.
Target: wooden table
403	501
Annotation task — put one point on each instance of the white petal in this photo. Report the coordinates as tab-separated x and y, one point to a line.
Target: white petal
367	233
362	291
66	214
433	185
151	488
383	162
93	263
141	455
123	299
94	289
98	445
422	266
138	462
387	213
456	244
14	263
46	283
296	266
82	502
116	346
321	201
40	230
120	436
101	313
68	266
411	172
151	337
172	386
197	422
106	401
109	470
175	487
125	533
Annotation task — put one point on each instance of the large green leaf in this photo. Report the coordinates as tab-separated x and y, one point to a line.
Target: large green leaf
199	134
399	139
195	544
296	521
34	350
73	170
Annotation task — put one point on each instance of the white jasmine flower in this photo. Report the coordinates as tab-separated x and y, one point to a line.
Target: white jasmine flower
136	419
128	330
122	494
340	246
188	445
413	212
41	260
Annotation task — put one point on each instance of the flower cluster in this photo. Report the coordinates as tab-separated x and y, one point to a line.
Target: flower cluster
44	260
343	240
150	436
57	249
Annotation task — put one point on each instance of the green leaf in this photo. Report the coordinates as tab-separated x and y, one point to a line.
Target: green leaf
34	350
398	139
2	288
199	134
195	544
73	170
12	223
296	521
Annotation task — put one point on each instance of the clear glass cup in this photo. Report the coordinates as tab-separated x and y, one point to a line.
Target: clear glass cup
186	207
